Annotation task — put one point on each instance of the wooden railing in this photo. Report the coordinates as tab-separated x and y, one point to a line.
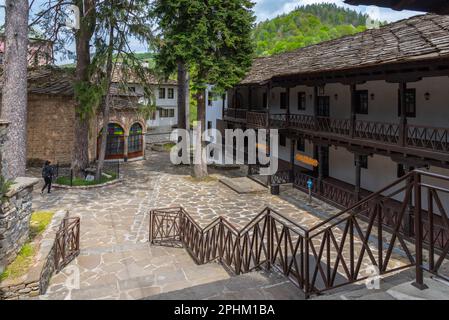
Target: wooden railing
428	138
379	131
257	119
235	113
332	253
423	137
67	243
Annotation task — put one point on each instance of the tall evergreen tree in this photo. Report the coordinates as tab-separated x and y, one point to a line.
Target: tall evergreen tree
14	95
213	37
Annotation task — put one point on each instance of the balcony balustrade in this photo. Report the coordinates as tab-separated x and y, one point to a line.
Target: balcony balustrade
416	137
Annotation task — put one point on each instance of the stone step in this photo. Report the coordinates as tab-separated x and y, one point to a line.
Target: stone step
260	285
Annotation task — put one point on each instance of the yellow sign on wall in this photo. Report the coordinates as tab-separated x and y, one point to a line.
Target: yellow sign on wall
307	160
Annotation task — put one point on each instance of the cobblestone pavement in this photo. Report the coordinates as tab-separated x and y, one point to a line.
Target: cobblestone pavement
116	261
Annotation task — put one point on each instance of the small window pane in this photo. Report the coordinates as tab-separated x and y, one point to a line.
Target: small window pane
301	101
161	93
171	93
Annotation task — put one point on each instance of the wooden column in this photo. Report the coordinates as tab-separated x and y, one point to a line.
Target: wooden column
292	153
268	105
250	98
403	114
315	105
409	210
320	168
353	118
358	176
125	148
287	92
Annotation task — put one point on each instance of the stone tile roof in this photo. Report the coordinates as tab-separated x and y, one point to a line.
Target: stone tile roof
52	80
418	38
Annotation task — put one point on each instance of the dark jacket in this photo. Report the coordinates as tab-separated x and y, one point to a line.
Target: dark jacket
47	171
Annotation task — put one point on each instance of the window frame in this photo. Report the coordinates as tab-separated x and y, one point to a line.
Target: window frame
408	113
359	109
301	101
162	93
282	140
283	101
301	145
170	93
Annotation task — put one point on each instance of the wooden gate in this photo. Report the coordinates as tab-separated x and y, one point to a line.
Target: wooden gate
67	242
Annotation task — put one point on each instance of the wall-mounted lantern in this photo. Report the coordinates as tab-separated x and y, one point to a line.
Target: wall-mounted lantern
372	96
336	96
427	96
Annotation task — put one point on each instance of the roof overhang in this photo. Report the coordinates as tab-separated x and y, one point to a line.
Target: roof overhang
434	6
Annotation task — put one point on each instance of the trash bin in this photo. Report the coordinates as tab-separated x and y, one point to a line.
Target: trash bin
275	190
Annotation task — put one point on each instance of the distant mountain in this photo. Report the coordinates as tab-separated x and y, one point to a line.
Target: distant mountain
306	25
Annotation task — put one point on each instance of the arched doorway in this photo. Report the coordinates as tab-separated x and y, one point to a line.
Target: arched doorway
115	145
135	141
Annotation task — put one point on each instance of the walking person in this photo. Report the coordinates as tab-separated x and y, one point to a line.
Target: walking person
47	174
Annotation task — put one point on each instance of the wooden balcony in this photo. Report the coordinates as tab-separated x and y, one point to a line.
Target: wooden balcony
422	141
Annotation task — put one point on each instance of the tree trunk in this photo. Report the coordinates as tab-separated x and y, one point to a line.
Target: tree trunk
106	105
200	167
15	92
182	98
80	152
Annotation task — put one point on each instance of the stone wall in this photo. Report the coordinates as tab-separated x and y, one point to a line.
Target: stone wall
36	281
50	129
15	214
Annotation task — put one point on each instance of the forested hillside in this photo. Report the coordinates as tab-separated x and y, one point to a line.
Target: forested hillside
305	26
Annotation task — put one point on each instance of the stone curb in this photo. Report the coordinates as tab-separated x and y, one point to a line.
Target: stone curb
109	183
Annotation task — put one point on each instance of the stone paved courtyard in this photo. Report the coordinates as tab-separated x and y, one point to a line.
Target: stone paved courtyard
116	260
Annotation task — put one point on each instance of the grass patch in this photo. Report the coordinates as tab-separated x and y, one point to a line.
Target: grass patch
168	146
39	222
81	182
21	264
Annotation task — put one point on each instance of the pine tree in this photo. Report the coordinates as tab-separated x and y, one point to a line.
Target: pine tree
214	39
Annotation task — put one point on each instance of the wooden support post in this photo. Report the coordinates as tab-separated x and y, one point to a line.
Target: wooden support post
287	93
250	94
407	220
419	281
403	114
353	119
292	153
315	105
358	176
320	169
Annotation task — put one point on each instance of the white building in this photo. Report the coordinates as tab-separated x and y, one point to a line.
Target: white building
368	108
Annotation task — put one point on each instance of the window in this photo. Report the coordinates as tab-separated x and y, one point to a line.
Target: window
410	103
209	125
301	145
264	100
363	161
161	93
167	113
323	107
171	93
301	101
135	139
361	102
282	140
131	89
283	100
210	98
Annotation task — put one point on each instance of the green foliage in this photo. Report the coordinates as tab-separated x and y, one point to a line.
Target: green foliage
82	182
212	37
39	222
306	25
5	185
89	97
21	264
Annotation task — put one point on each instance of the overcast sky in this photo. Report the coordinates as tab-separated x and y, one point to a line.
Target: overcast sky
267	9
